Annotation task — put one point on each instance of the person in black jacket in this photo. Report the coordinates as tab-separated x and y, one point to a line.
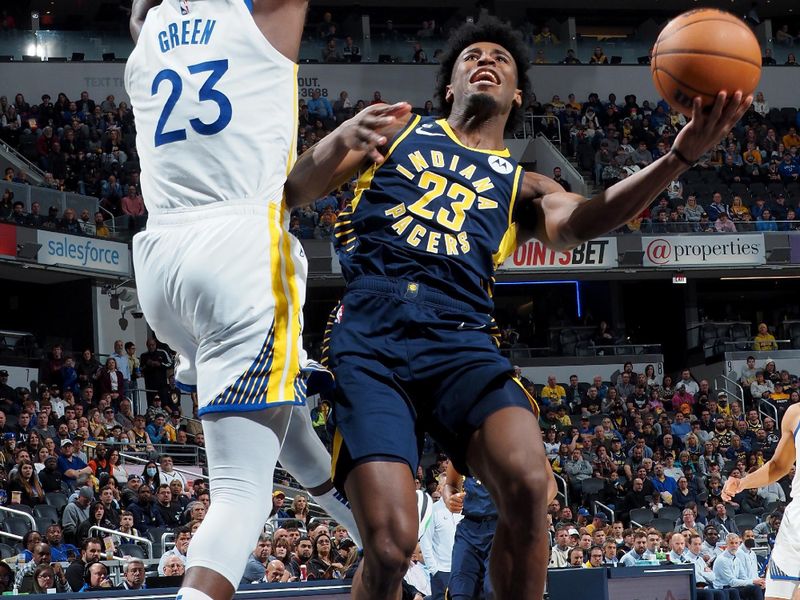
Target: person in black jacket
91	549
50	476
145	511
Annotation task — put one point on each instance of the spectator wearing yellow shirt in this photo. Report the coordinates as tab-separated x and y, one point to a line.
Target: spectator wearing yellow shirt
545	37
752	151
791	139
595	558
553	393
764	340
100	226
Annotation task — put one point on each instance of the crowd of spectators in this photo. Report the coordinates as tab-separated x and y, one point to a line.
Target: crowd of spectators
60	459
749	182
82	146
657	452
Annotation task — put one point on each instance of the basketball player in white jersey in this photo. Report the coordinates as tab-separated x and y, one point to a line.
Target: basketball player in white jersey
783	573
213	85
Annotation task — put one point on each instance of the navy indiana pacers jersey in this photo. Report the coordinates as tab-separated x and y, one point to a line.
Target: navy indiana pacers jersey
435	212
478	502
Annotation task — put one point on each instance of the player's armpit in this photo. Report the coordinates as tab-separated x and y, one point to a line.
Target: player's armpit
281	22
138	15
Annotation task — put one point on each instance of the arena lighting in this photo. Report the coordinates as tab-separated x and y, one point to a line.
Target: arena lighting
554	282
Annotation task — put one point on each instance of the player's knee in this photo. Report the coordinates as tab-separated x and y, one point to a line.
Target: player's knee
388	552
525	494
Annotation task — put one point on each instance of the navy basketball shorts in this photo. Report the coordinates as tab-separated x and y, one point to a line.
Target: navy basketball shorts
409	360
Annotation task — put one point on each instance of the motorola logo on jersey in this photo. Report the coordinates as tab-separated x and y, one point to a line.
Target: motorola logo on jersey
500	165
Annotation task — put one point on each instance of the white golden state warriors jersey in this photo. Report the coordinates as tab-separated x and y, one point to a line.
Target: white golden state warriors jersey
215	107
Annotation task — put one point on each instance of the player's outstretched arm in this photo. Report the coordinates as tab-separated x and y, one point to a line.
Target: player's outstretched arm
138	14
281	22
338	156
775	468
565	220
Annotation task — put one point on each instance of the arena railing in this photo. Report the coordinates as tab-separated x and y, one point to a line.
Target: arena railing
20	513
560	481
147	542
606	509
139	460
746	345
12	536
768	409
731	387
584	350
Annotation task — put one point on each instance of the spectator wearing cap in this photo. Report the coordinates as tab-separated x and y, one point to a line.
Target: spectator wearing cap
173	425
278	512
50	477
130	493
73	468
599	521
6	391
76	512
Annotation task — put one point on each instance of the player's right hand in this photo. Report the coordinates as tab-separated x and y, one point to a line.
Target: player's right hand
455	503
367	131
732	487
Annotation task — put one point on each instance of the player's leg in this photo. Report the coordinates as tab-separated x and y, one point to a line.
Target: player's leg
382	496
467	563
507	454
306	458
240	480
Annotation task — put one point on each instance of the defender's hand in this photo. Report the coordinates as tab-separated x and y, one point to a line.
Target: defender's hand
732	487
366	131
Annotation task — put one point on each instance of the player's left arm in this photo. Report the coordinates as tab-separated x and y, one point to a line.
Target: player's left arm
563	220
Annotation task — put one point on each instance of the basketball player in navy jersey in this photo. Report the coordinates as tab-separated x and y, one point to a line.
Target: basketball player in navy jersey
439	206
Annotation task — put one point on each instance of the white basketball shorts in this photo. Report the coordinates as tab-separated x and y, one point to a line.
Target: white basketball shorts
224	286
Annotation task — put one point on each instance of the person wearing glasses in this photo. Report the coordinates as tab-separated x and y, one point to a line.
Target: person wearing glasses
45	578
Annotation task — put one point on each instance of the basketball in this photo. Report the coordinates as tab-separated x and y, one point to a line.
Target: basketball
701	53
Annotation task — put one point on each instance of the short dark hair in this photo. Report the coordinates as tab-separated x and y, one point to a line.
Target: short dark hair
489	29
90	540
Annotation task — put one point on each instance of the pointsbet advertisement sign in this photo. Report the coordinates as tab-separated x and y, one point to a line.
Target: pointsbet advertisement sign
600	253
92	254
704	250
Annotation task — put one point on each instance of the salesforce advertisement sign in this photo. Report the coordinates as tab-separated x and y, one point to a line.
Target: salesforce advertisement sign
90	254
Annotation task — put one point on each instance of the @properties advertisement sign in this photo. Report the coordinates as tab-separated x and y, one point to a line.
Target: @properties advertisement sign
704	250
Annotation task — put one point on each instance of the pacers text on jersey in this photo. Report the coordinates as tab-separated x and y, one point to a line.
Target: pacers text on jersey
413	221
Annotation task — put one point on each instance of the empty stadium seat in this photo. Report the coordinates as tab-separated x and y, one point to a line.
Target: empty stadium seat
745	521
643	516
133	550
17	525
46	511
662	525
57	500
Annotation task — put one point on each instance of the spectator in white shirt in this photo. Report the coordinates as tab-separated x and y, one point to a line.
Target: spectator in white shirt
437	547
417	576
703	574
166	474
689	383
559	555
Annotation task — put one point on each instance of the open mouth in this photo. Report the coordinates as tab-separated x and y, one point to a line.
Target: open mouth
485	76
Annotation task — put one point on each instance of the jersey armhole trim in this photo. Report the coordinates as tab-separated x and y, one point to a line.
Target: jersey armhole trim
796	429
249	5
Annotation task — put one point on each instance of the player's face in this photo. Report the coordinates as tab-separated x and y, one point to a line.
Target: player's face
484	71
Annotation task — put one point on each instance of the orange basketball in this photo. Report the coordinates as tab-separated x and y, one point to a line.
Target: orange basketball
701	53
